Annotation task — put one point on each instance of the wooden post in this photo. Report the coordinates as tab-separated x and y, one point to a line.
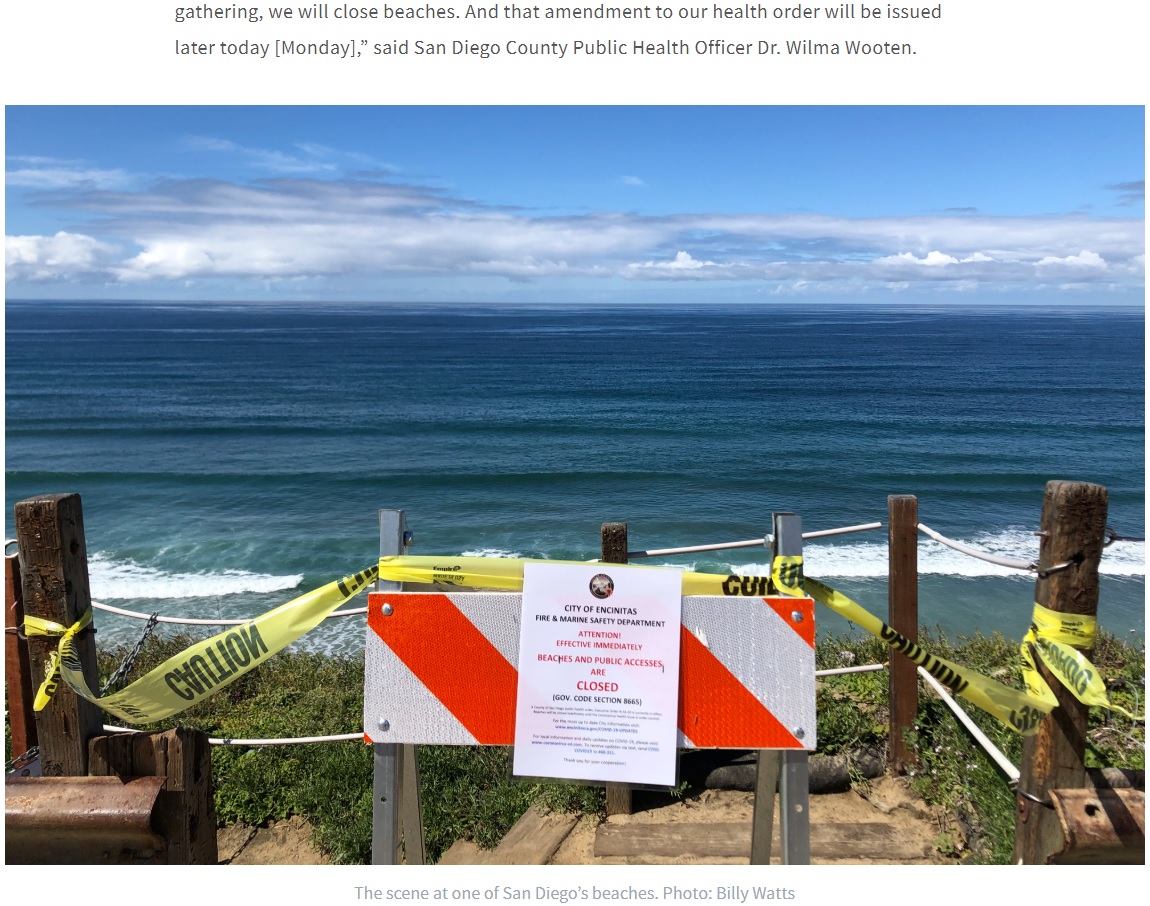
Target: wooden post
613	549
54	577
902	604
185	814
1073	531
17	668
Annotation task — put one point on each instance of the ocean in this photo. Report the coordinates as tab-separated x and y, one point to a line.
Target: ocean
230	457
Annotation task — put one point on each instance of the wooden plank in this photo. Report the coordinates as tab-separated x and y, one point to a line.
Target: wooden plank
873	841
17	667
613	549
54	580
185	813
533	840
902	609
1073	530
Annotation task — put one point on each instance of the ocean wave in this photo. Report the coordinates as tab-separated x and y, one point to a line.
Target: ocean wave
492	552
868	559
119	580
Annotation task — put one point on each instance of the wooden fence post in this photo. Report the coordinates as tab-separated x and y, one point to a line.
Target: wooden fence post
17	668
54	577
902	609
185	814
1073	531
613	549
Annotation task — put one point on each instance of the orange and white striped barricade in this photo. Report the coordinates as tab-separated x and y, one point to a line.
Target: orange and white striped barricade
441	669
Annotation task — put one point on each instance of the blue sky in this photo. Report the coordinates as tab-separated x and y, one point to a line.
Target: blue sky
567	204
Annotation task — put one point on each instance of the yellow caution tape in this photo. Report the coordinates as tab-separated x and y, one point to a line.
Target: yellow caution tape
206	667
38	626
1055	637
507	574
1021	710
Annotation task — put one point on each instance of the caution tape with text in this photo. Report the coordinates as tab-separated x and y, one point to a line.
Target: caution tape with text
208	666
201	670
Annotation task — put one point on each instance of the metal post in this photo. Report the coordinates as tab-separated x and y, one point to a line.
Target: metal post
786	768
794	787
396	814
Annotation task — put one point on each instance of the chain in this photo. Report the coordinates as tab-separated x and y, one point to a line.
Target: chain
125	668
21	761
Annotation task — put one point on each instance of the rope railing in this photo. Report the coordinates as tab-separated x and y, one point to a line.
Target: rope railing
840	671
1042	571
974	552
765	541
188	621
219	741
1012	773
345	737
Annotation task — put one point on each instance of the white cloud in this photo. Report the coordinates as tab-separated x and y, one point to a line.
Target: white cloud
64	256
47	174
291	227
311	158
681	262
931	259
1084	259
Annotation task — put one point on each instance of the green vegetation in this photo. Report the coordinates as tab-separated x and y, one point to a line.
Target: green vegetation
466	792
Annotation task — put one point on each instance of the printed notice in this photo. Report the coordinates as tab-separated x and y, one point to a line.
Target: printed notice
598	690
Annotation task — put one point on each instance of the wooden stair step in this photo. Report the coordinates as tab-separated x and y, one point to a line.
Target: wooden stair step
867	840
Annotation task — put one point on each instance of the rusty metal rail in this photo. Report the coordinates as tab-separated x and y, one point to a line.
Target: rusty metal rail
1101	826
82	821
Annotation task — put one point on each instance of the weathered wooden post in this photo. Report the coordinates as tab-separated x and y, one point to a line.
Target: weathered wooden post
54	579
902	605
17	668
185	813
613	549
1072	532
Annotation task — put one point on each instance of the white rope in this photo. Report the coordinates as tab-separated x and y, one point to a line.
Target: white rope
838	671
192	622
983	740
754	542
343	737
977	554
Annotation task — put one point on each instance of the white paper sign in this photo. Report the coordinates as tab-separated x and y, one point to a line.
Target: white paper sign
598	693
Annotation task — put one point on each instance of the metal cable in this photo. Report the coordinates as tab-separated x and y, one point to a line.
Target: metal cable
977	554
839	671
1112	536
136	615
754	542
216	741
981	738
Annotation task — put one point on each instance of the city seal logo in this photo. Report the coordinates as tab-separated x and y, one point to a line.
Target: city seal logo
601	586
